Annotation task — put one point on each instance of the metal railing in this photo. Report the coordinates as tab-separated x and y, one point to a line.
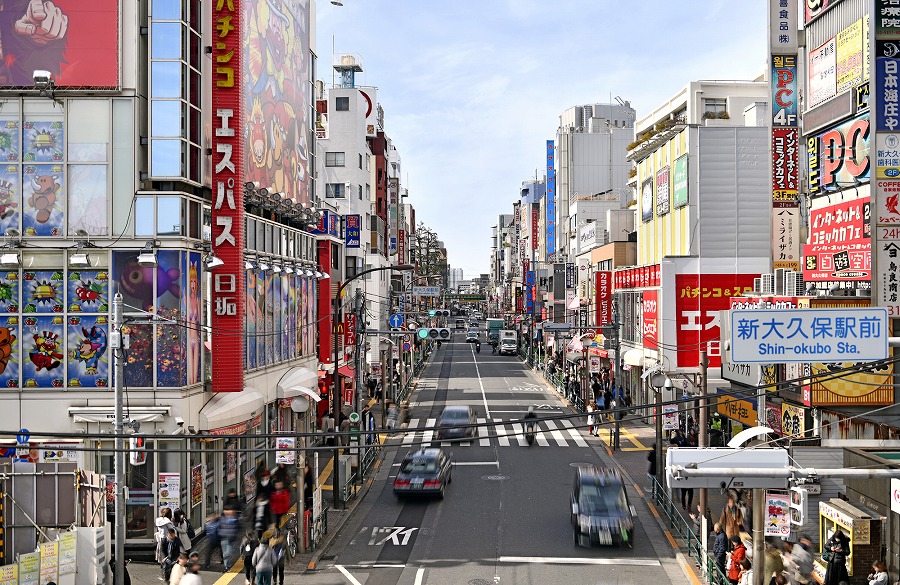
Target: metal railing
367	459
685	536
318	528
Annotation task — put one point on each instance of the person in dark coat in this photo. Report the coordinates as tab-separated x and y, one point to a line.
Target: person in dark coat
837	548
651	468
720	547
232	501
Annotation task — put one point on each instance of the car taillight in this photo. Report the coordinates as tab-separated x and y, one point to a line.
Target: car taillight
401	482
432	482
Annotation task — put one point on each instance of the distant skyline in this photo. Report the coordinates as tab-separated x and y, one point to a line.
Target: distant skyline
472	89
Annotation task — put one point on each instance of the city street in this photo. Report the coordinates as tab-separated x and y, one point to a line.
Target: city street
505	517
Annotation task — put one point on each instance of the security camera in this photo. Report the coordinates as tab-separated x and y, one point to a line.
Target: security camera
723	486
42	79
179	421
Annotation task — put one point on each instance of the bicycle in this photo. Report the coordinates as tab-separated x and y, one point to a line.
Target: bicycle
291	539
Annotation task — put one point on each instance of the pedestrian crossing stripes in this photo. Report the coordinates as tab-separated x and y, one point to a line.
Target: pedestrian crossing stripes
561	433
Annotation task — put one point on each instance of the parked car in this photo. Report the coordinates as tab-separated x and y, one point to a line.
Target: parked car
452	425
600	509
426	471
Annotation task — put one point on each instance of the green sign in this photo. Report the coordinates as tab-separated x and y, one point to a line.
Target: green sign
680	182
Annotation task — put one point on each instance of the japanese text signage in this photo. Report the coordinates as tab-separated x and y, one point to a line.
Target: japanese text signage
662	192
887	19
571	275
680	182
784	90
887	80
785	151
401	247
603	294
228	308
822	73
349	330
535	217
785	238
809	335
352	231
551	200
529	292
783	16
698	300
839	243
888	263
650	320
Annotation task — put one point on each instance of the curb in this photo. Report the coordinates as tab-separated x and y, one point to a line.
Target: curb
685	562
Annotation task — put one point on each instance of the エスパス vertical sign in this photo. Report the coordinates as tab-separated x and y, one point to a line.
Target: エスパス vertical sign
228	199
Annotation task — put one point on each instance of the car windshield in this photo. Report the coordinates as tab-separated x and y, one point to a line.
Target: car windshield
604	501
419	466
455	414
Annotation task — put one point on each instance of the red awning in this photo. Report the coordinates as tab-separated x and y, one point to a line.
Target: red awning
346	371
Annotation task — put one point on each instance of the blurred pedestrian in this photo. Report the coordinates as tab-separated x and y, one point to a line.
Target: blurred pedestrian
192	577
248	547
651	468
745	576
172	548
232	501
282	474
798	562
280	502
163	524
308	486
264	562
178	569
213	541
276	543
773	564
590	416
229	533
731	518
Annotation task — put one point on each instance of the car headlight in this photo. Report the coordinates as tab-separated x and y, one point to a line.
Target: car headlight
584	523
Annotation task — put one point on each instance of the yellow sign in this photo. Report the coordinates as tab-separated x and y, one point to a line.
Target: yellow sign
793	420
743	411
849	49
834	385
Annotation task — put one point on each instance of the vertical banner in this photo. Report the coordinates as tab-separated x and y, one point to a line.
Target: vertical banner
228	198
401	247
778	518
551	200
349	330
529	292
649	321
603	295
535	222
785	139
352	231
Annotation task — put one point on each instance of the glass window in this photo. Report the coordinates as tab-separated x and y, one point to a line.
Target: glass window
166	40
334	159
166	117
165	158
89	126
250	235
334	190
360	192
342	104
166	9
143	217
360	160
714	105
168	216
165	79
88	190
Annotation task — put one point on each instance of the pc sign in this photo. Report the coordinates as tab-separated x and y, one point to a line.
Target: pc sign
809	335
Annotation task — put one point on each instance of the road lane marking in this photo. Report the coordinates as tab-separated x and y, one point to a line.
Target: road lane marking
429	435
581	561
541	439
483	439
502	437
474	463
487	409
573	432
557	436
347	574
523	442
410	436
420	574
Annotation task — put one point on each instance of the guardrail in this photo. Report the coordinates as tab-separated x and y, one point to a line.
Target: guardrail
685	535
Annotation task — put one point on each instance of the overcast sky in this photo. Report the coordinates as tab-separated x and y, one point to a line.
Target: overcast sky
472	89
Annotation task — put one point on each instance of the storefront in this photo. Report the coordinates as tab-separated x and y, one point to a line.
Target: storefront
861	527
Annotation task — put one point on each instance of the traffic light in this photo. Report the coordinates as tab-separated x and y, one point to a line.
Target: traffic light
137	453
798	505
441	313
437	333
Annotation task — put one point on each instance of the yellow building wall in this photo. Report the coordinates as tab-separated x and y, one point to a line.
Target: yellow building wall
670	234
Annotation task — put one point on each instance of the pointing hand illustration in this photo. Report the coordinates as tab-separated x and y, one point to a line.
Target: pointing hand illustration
43	22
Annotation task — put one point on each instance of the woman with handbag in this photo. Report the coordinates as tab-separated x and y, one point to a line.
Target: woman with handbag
835	552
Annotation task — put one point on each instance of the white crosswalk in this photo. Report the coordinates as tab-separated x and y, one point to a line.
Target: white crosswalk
560	433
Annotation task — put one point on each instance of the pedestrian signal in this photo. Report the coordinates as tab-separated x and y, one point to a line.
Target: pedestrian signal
137	450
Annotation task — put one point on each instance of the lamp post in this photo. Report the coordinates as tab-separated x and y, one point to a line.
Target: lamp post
660	382
335	389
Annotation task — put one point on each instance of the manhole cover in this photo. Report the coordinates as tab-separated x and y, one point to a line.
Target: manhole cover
494	478
481	582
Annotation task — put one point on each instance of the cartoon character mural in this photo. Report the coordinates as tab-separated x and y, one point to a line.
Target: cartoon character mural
9	352
10	139
193	319
9	291
10	195
171	340
44	199
136	281
45	352
43	291
276	50
251	323
88	291
88	359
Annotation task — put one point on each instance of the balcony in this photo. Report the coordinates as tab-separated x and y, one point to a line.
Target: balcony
652	139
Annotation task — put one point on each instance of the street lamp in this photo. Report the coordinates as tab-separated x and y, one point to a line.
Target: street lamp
660	382
335	391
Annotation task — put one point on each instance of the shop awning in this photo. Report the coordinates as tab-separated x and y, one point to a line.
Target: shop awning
297	380
108	413
346	371
226	409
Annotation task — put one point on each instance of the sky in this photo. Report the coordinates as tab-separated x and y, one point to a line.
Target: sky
473	89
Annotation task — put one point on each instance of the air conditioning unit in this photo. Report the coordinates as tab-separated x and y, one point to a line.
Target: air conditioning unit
793	284
779	281
767	284
757	285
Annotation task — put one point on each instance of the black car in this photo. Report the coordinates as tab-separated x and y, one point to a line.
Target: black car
453	424
600	510
426	471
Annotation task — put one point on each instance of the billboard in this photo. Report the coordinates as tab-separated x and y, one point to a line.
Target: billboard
551	200
822	73
75	40
647	200
662	192
276	95
603	295
870	388
649	320
352	230
785	154
784	90
840	243
680	182
838	157
849	48
698	300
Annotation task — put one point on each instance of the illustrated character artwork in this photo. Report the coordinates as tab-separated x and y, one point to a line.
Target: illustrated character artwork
91	349
8	199
32	37
43	198
193	328
137	282
45	355
891	202
89	291
7	340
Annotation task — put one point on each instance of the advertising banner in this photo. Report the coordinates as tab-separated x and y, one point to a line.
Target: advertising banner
662	192
169	490
778	517
649	320
603	295
571	275
285	447
839	242
888	263
785	238
76	41
793	420
698	300
401	247
783	17
551	199
849	47
535	222
838	158
670	417
680	182
813	8
352	230
785	156
822	73
647	200
887	25
229	288
784	90
349	330
196	485
872	388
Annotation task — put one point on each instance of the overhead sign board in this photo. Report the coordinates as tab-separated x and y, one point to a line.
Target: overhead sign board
426	291
809	335
728	460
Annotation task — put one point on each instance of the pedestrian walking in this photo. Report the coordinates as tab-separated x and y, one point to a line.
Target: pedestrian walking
248	546
651	468
276	543
192	577
836	549
163	524
213	540
687	498
798	562
372	385
232	501
229	533
720	547
590	417
172	547
745	577
731	518
178	569
738	554
183	528
264	562
280	502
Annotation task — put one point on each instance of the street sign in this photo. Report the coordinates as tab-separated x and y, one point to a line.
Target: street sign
23	436
809	335
406	347
426	291
407	338
396	320
730	461
550	326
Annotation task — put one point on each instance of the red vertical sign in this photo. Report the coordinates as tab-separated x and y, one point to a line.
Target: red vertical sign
401	247
650	320
349	330
228	199
534	226
603	292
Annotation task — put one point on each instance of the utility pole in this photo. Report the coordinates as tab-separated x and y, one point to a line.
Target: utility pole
703	441
117	346
617	367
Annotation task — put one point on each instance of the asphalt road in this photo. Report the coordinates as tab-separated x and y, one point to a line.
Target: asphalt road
505	517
